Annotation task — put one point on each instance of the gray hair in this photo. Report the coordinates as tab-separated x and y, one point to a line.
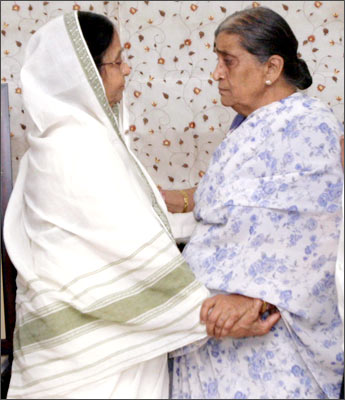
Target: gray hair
264	33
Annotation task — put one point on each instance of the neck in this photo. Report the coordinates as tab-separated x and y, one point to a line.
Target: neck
276	92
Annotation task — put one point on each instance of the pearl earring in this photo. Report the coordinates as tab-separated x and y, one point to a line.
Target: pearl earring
268	82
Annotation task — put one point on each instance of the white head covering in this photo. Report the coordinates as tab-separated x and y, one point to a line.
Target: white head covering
101	284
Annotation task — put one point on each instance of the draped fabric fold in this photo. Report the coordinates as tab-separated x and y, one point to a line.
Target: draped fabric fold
101	285
269	212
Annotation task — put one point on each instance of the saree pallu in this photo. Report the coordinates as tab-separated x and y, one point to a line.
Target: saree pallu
102	287
269	215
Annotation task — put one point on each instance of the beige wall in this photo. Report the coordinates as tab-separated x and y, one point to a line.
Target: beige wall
172	106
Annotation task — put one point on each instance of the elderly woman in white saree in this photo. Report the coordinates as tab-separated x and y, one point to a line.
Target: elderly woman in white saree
102	291
268	214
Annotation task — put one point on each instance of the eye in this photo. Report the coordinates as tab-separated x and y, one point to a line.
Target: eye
228	62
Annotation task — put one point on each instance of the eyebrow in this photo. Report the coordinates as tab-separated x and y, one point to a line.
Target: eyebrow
223	53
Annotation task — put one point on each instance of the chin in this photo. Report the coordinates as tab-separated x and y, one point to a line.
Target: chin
226	102
116	101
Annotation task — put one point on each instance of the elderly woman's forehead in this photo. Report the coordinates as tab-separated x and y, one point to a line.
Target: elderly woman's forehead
226	41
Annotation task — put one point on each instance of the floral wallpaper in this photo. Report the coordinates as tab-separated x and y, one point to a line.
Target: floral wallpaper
172	113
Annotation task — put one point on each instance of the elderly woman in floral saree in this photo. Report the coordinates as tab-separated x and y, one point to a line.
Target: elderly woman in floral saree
268	214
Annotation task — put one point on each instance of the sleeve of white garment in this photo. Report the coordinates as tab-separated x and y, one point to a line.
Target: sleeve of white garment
182	225
100	224
100	280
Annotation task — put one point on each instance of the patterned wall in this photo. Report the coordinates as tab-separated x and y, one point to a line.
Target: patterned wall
172	111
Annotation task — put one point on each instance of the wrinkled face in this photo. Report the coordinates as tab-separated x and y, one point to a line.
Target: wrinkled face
240	76
113	74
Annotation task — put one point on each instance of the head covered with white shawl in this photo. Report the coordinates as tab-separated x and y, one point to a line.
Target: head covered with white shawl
101	284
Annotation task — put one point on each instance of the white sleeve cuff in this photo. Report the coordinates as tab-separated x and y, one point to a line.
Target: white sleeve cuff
182	225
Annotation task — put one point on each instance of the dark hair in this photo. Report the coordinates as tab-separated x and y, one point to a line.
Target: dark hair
98	33
264	33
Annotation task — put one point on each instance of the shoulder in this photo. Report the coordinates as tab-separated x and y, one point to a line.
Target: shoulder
316	110
74	149
309	116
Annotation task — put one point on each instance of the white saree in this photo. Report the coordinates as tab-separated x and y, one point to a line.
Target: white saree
103	292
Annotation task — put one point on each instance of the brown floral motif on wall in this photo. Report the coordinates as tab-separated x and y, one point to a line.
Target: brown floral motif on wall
175	118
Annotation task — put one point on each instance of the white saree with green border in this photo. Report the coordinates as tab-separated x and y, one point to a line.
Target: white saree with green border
103	292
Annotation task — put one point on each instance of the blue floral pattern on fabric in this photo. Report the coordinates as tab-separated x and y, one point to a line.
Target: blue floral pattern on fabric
269	214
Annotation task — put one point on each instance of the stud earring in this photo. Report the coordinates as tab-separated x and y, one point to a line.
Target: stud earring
268	82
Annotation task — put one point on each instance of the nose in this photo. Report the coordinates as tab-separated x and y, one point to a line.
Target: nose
218	72
125	69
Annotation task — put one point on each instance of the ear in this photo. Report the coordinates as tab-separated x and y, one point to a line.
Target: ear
274	67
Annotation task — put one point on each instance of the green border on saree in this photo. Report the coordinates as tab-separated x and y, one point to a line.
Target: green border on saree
89	68
119	311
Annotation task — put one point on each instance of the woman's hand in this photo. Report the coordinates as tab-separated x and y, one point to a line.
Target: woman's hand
236	316
175	201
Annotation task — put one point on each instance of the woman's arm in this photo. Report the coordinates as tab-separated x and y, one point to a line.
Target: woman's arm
179	201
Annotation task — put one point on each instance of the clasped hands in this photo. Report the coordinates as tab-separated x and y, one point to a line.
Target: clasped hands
236	316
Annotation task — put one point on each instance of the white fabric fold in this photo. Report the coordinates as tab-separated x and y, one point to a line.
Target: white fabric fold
182	225
102	286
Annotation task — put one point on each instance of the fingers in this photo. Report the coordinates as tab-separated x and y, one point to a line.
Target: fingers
226	311
258	327
257	305
251	323
215	312
268	323
206	307
236	316
228	325
223	319
226	328
240	327
212	320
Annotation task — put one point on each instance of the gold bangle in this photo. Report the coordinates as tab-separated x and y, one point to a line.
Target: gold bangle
185	199
264	307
